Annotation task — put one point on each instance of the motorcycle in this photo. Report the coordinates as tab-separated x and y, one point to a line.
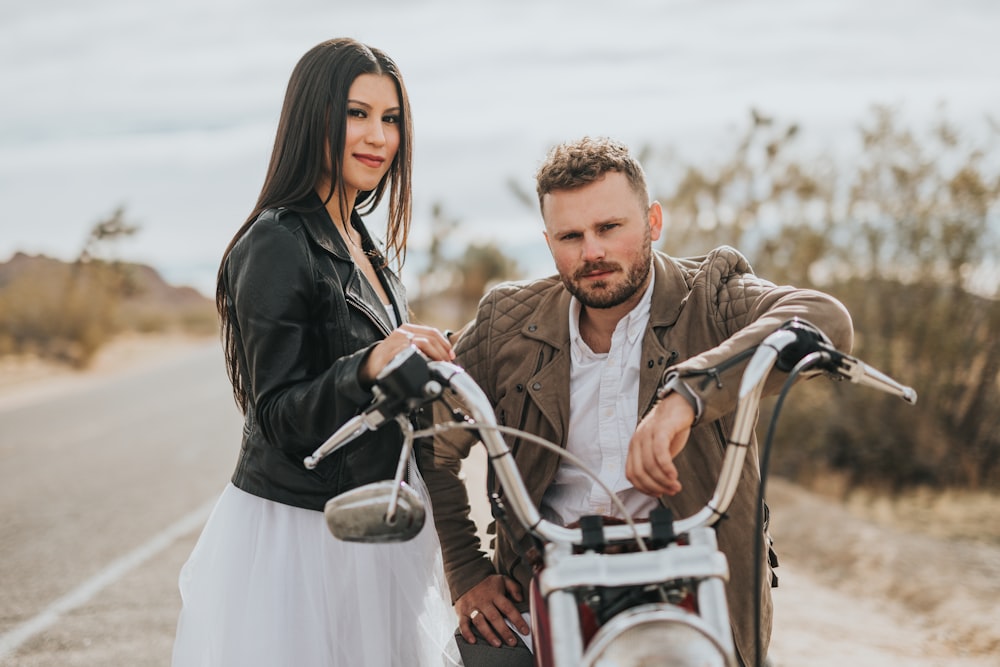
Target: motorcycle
650	593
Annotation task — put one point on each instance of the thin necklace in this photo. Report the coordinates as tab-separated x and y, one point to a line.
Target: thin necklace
343	223
370	254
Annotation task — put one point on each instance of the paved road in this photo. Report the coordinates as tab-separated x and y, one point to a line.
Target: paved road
102	494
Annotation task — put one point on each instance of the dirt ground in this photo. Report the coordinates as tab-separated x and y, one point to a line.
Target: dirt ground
865	580
873	581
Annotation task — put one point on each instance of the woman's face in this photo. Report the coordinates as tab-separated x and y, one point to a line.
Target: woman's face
373	132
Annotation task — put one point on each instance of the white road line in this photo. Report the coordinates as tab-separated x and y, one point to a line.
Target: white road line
12	640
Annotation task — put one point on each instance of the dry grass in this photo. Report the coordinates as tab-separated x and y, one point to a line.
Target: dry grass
942	514
932	556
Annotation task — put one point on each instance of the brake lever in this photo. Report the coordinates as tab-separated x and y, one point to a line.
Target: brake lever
856	371
402	386
808	338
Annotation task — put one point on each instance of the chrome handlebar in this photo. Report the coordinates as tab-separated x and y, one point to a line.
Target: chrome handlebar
785	348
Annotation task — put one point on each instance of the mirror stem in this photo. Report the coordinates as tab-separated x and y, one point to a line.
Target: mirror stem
404	457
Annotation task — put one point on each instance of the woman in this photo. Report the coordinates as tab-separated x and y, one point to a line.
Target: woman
310	314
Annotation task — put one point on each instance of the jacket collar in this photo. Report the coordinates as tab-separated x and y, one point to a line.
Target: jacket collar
669	292
320	227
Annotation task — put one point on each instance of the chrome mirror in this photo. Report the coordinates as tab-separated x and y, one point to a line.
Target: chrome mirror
386	511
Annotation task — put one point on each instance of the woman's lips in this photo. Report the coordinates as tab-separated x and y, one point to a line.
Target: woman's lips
373	161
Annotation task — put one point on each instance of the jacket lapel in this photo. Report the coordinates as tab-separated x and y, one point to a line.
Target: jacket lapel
669	295
549	385
358	292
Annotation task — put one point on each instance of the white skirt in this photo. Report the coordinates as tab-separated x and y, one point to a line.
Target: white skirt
267	585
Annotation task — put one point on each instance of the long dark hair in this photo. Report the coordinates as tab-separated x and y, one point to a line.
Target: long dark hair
313	125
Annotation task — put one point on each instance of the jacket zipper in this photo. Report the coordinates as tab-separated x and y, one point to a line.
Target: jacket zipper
367	310
720	436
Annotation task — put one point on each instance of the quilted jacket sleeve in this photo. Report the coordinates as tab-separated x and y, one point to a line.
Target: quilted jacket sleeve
744	309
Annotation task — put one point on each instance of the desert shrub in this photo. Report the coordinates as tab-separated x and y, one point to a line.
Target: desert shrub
452	283
65	311
907	237
59	311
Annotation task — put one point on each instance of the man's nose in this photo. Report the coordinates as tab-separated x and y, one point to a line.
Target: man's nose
592	248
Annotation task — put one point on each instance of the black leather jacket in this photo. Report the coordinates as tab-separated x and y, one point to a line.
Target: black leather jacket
305	318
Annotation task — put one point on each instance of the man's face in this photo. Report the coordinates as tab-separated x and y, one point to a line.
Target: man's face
601	240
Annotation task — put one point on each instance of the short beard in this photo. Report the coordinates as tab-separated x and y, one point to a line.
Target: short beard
603	298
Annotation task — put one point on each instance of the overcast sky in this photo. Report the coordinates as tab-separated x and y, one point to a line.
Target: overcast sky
169	108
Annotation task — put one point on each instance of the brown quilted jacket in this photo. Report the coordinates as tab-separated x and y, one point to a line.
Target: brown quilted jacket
704	310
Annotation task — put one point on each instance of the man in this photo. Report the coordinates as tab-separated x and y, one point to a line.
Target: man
585	353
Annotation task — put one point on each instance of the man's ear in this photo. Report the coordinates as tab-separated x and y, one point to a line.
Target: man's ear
655	220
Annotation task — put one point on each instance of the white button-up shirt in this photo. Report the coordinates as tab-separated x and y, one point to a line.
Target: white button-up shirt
603	414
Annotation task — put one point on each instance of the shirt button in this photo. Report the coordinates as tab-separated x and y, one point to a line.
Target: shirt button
536	386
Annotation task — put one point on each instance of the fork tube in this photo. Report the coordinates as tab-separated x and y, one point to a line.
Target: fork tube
567	644
712	605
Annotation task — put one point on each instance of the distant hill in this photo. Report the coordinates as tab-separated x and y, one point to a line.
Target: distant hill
67	310
143	283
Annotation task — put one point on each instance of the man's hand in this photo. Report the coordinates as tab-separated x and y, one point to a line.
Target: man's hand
485	606
660	436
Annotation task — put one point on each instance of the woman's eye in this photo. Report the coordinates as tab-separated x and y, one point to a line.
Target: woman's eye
357	113
392	119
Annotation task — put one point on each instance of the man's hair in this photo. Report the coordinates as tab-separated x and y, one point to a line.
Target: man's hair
577	163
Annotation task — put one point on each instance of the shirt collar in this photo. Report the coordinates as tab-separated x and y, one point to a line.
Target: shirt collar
634	322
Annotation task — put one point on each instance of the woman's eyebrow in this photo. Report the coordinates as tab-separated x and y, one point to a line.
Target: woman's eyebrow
368	106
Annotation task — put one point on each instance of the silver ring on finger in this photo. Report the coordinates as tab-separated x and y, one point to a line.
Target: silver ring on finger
474	614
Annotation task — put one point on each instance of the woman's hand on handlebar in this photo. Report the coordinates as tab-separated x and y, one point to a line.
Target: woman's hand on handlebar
428	340
486	606
659	437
